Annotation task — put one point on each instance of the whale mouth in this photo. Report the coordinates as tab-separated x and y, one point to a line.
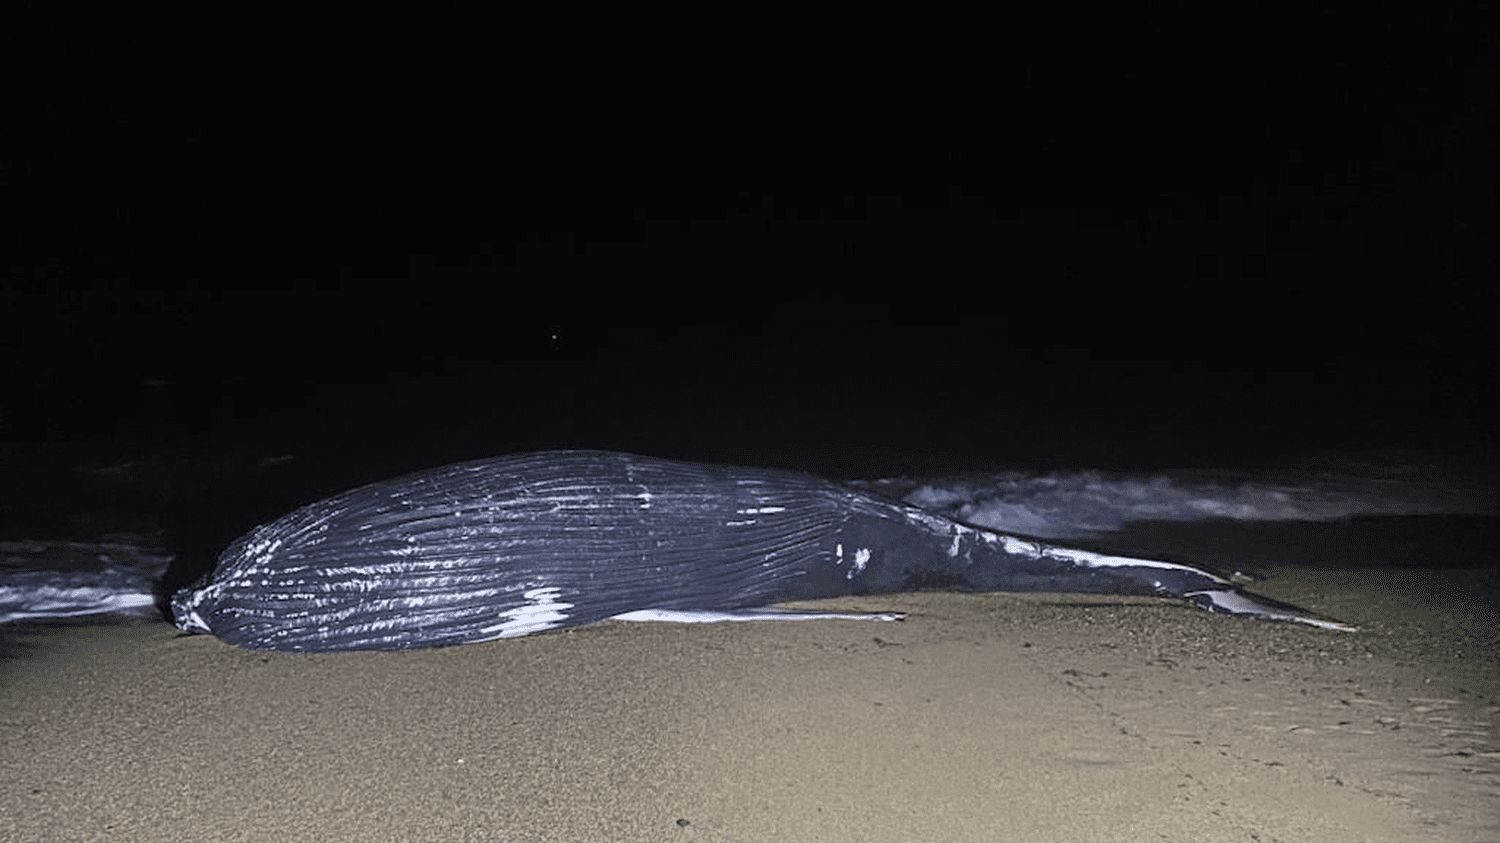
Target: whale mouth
185	612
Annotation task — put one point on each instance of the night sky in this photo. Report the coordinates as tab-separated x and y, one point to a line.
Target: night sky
1160	245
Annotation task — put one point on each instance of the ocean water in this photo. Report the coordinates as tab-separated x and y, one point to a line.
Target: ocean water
123	573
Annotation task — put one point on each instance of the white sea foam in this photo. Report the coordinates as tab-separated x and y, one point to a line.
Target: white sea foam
1091	503
40	579
62	601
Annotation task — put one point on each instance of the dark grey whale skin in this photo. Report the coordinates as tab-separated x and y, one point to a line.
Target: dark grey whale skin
514	545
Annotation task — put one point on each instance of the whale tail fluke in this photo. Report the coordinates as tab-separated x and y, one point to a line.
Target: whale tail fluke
1232	601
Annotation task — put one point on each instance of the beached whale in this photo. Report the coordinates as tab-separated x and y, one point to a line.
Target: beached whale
520	544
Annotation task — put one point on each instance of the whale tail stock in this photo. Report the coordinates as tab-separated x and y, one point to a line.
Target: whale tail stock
1035	565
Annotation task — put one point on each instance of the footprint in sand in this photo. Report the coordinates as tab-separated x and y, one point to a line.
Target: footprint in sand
1463	736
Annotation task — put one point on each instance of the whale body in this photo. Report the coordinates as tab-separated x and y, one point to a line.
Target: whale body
520	544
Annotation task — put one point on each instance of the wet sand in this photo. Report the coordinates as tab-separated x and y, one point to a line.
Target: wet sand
982	717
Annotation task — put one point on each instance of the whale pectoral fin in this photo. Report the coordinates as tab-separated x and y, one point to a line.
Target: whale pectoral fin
1233	602
767	613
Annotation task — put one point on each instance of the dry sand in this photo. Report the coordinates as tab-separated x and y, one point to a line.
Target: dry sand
982	717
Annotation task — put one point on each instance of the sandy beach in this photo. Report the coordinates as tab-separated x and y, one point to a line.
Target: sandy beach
981	717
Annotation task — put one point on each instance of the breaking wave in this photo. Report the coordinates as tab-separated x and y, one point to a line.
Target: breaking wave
1092	503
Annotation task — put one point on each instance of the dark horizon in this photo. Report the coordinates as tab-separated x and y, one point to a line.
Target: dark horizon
1180	257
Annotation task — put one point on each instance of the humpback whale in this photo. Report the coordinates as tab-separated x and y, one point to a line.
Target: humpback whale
515	545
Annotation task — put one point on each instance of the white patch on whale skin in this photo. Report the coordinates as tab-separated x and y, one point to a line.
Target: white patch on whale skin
1236	603
1086	558
544	611
838	551
762	510
953	548
1099	560
765	614
861	558
645	499
1012	545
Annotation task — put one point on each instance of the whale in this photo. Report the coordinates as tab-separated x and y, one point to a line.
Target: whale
521	544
